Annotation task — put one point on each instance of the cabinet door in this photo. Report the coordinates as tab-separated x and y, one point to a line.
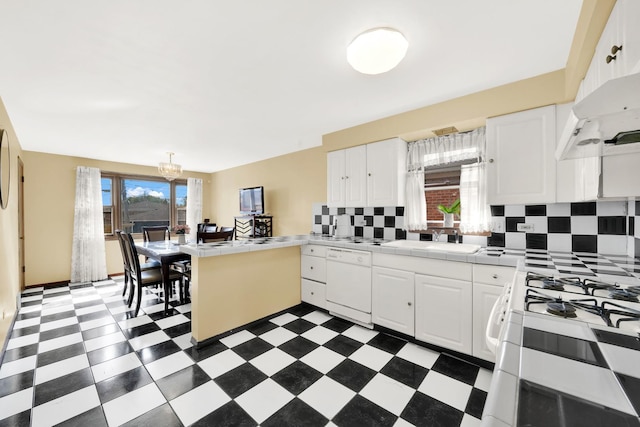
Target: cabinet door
355	176
393	299
336	178
313	293
314	268
386	163
443	312
521	157
484	296
630	55
611	36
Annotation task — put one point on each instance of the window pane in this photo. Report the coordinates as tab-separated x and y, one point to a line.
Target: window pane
441	188
107	204
144	203
181	204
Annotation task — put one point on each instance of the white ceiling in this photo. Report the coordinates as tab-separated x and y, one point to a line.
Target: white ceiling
226	83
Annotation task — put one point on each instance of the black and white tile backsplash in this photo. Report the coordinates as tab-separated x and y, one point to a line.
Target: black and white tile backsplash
606	227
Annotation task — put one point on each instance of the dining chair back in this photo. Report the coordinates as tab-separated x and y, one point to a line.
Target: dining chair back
155	233
231	229
125	264
206	226
218	236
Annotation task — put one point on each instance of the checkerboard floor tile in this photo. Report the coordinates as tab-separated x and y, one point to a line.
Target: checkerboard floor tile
77	356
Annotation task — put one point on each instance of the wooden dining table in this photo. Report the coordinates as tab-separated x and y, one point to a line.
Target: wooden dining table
166	252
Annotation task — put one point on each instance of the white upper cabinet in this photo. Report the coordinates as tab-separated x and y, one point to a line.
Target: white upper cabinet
367	175
521	164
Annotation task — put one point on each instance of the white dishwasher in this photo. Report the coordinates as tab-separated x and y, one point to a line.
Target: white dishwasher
349	284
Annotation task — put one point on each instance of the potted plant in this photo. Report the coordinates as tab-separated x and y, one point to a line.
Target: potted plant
181	230
449	212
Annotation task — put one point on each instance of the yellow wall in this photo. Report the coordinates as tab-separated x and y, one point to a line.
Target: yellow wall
49	204
9	261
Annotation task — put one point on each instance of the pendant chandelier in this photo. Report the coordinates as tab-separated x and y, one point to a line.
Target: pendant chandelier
170	171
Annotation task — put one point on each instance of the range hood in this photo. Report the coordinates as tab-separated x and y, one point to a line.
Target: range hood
606	122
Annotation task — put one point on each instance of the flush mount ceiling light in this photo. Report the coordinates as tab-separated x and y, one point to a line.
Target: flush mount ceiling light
377	51
169	171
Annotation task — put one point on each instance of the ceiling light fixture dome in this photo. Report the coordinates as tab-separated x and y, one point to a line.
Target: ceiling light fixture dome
377	50
169	171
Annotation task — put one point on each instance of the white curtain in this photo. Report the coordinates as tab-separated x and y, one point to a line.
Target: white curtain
437	152
88	259
475	215
194	206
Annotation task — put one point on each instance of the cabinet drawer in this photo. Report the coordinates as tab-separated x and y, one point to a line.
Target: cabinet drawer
313	293
492	274
314	268
314	250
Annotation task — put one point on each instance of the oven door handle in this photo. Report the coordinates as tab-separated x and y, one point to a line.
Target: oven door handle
494	324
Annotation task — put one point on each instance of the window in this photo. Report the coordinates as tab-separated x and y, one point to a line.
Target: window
132	202
441	187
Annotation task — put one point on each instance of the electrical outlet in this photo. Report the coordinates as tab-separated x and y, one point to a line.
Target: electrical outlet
525	227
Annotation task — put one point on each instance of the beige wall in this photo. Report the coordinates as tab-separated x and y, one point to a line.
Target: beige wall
49	204
9	261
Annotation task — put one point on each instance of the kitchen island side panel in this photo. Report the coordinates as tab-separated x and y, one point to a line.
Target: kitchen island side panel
232	290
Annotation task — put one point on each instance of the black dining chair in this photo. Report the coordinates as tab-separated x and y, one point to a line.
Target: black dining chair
126	265
217	236
226	229
155	233
143	278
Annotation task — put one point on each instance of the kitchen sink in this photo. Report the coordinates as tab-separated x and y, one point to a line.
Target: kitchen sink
460	248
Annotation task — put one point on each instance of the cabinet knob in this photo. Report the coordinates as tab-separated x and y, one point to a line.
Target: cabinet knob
495	276
490	160
311	268
312	293
310	250
610	58
615	49
369	174
409	303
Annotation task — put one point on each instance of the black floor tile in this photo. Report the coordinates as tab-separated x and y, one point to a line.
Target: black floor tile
93	316
20	352
176	331
302	310
182	381
18	420
162	314
387	343
351	374
297	377
298	347
59	332
260	328
30	330
456	368
343	345
426	411
26	316
138	331
476	401
91	303
109	352
93	417
16	382
161	416
296	414
238	380
57	316
204	352
228	415
101	331
252	348
58	387
299	326
362	412
123	383
405	372
158	351
59	354
337	324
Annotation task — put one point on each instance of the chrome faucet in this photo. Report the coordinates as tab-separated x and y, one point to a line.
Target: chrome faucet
436	235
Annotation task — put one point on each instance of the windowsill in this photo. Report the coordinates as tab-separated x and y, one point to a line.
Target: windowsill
437	226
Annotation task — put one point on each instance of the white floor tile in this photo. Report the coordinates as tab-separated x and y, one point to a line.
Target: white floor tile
121	309
96	323
131	405
65	407
116	366
237	338
402	423
419	355
220	363
445	389
317	317
283	319
185	308
30	309
371	357
33	290
359	333
17	366
272	361
56	300
47	311
91	309
322	359
60	342
200	401
154	308
327	396
469	421
51	291
135	321
168	365
264	400
319	334
23	340
148	340
15	403
278	336
388	393
103	341
48	326
61	368
172	321
183	341
483	380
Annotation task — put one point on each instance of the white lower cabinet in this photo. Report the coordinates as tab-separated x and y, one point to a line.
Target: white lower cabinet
393	299
313	272
444	312
484	296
